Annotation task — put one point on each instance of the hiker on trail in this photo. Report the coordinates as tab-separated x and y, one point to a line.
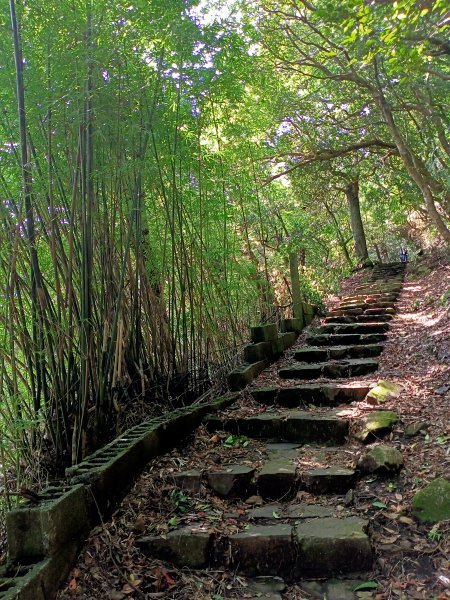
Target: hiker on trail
403	255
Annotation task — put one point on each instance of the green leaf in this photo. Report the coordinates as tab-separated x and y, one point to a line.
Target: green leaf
367	585
379	504
275	515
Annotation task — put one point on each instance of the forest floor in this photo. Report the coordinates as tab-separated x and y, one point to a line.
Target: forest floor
413	560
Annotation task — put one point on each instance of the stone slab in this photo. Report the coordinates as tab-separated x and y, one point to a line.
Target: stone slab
326	394
263	550
256	352
332	546
233	481
307	427
264	333
328	480
186	547
189	481
277	478
241	376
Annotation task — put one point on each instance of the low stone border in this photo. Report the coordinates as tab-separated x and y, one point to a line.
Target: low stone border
44	539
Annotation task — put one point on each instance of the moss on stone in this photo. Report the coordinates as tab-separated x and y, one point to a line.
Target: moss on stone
432	503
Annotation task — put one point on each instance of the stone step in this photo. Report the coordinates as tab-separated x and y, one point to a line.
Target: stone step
370	318
316	470
320	394
365	304
305	427
370	295
364	328
368	299
332	369
345	339
313	547
379	311
322	354
356	312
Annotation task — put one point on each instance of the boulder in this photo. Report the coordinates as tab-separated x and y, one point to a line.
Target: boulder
383	391
432	503
414	428
376	424
381	459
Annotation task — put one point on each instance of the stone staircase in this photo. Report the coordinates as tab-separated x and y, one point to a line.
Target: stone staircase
300	523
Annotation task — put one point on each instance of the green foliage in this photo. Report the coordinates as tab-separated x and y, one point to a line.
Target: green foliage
177	161
236	441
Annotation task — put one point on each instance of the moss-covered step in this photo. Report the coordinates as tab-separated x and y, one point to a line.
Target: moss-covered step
345	339
289	512
378	305
375	312
309	354
363	328
371	296
345	311
320	394
325	470
264	550
331	370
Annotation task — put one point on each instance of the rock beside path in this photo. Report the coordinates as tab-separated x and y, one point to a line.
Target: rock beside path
381	459
432	503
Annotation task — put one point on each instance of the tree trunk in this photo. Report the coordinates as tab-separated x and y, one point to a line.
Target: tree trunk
378	252
341	239
352	194
297	306
412	164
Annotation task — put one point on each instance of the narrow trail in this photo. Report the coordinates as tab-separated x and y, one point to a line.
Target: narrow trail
262	502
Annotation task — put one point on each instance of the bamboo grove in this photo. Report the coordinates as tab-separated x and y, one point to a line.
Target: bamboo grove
145	218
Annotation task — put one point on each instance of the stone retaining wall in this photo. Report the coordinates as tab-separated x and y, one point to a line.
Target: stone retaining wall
44	539
268	344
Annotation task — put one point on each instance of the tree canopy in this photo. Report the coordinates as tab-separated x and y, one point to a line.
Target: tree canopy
161	162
